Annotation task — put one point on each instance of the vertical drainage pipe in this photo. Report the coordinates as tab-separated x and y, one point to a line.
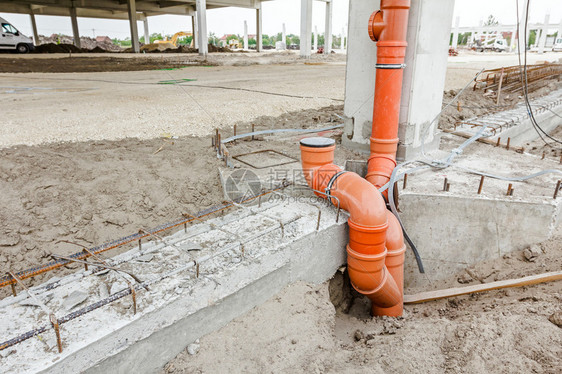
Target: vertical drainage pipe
387	27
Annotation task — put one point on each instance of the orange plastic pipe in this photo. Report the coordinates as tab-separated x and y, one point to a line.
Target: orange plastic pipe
388	27
370	268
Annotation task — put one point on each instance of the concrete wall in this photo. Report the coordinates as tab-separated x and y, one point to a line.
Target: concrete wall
477	229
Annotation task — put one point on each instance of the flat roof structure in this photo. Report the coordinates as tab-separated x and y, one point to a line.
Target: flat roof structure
131	9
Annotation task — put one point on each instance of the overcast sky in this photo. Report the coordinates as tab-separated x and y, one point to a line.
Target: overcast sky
275	13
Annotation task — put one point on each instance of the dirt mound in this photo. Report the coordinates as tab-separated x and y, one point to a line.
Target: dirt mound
57	48
213	48
100	44
157	48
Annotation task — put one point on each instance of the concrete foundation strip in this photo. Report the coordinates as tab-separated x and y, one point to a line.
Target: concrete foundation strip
132	290
457	291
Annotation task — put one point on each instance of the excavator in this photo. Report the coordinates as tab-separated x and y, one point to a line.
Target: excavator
172	43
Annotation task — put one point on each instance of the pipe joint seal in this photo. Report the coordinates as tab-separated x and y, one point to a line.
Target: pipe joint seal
390	66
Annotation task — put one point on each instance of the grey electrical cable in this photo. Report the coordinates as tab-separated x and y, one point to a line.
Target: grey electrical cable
275	131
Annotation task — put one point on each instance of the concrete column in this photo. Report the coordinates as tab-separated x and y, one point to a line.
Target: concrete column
537	38
245	35
284	35
315	38
342	40
328	29
559	35
194	32
132	10
75	31
544	33
202	36
455	41
429	31
146	31
259	28
359	75
306	28
33	26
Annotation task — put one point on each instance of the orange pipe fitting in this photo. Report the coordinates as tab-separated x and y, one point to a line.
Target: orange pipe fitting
388	27
368	225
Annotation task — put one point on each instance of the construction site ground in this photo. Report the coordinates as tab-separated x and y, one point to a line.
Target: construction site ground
90	157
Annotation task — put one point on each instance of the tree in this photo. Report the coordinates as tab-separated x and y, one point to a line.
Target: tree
491	21
232	37
293	40
252	41
213	39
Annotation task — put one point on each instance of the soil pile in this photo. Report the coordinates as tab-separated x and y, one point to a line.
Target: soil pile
473	103
57	48
88	44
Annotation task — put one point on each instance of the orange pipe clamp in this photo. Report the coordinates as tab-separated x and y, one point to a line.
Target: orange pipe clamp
375	253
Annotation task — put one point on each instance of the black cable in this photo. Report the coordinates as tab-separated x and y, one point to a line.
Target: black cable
524	75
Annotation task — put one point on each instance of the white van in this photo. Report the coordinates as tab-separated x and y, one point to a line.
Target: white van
12	39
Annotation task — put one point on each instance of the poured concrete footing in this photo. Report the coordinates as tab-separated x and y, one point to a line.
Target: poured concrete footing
244	257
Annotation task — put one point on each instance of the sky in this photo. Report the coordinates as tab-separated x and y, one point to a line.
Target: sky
275	13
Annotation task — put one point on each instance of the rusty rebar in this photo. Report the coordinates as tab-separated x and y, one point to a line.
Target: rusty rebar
445	184
34	271
55	323
481	185
509	189
557	189
405	183
507	145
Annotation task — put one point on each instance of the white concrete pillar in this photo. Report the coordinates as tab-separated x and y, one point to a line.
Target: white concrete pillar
315	38
259	28
559	35
146	31
359	75
429	30
33	26
75	31
455	41
284	35
342	40
245	35
195	41
306	28
328	28
132	11
202	37
544	33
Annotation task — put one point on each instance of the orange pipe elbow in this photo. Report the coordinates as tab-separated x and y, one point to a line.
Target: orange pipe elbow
368	224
